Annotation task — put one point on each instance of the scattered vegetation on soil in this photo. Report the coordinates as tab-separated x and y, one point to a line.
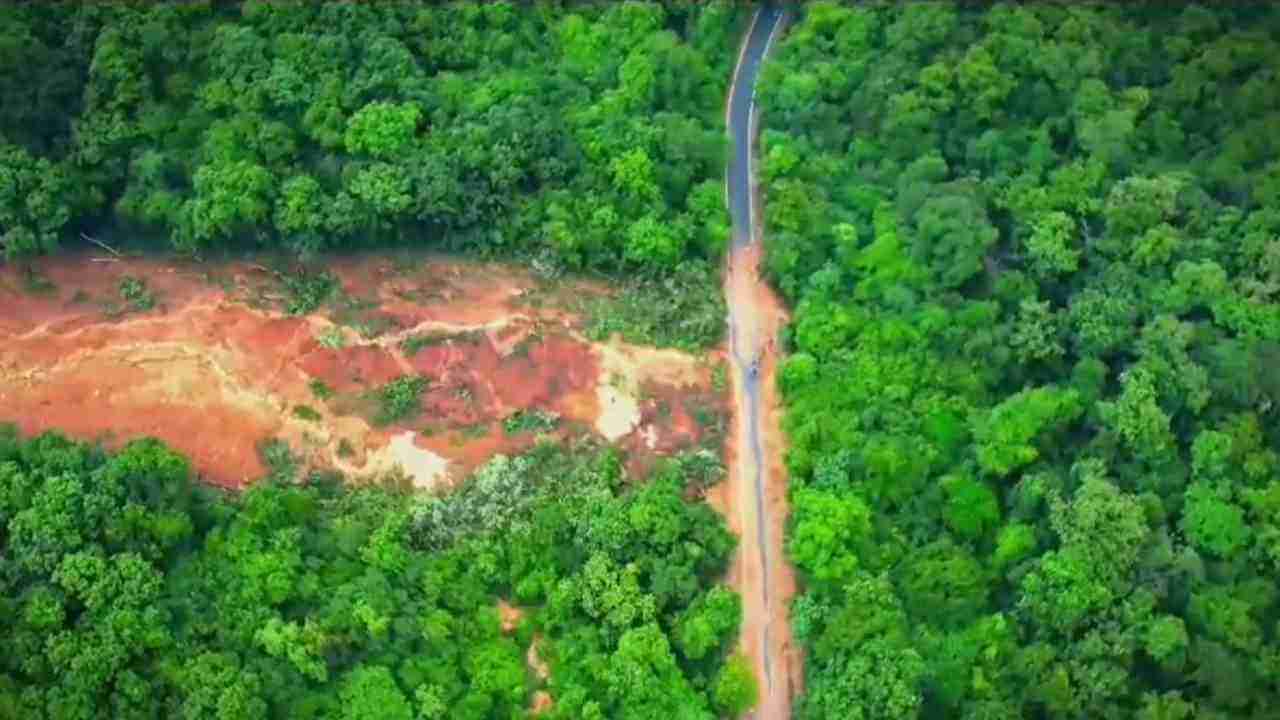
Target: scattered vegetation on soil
474	431
332	337
530	421
701	468
320	390
414	344
136	295
37	283
526	344
720	377
361	315
304	412
306	291
400	399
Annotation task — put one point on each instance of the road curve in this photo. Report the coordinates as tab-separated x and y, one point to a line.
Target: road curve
741	121
761	574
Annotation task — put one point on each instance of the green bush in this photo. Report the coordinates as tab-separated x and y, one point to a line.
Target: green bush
400	399
530	421
136	295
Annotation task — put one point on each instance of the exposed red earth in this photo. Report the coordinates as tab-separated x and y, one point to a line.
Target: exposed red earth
217	367
759	316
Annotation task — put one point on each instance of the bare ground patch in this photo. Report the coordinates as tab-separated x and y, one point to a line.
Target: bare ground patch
217	365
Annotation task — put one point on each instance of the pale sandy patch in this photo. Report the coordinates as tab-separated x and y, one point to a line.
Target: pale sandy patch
623	369
423	467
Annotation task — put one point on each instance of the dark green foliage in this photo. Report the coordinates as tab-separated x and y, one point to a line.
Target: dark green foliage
37	283
400	399
591	131
320	389
304	412
136	295
305	292
414	344
321	601
530	421
278	457
1032	250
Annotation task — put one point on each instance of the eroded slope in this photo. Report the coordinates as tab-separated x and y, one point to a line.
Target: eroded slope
217	366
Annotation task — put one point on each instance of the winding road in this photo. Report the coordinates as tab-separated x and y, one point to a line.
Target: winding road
756	502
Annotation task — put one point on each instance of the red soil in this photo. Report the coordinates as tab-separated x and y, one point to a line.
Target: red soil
215	369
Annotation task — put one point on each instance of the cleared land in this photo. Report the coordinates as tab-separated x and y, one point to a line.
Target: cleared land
212	362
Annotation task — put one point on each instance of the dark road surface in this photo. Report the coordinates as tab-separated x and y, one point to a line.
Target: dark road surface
746	347
741	105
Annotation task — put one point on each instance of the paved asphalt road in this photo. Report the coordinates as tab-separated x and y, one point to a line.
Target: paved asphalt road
740	171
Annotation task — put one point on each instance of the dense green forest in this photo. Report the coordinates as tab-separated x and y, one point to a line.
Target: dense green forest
129	591
1034	255
587	134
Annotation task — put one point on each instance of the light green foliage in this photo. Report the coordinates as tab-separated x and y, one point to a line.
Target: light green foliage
332	337
1136	205
1006	436
300	207
1137	417
1051	244
736	689
230	198
1102	321
530	421
1031	255
972	508
1015	542
1213	523
650	242
1036	331
868	668
382	129
985	86
371	692
383	187
709	624
1166	640
825	541
493	495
